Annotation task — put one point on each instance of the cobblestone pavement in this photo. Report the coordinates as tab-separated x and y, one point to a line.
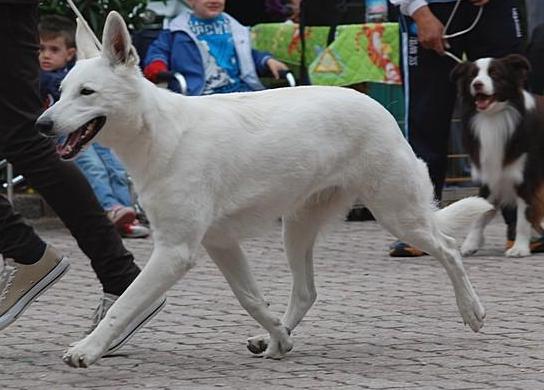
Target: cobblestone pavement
378	323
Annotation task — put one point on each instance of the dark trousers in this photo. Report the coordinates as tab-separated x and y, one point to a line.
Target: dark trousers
535	54
430	94
61	183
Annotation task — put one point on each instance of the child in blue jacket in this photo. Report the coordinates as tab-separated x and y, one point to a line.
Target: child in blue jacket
211	50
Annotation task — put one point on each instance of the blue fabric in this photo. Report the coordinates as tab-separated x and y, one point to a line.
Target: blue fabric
50	84
106	175
217	35
180	52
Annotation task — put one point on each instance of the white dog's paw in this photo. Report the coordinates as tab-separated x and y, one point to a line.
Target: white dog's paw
278	346
258	344
518	251
472	311
82	354
471	245
271	347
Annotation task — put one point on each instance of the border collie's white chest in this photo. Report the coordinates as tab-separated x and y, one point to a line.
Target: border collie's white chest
493	130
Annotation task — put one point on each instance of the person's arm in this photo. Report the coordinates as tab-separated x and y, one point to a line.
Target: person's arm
408	7
260	58
430	30
265	62
158	56
480	3
275	66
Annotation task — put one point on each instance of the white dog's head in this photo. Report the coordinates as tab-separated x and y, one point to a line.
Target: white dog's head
96	93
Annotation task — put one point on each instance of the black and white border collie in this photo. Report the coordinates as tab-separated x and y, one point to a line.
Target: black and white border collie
503	132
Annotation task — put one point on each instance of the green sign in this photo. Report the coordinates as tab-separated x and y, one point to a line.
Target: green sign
360	53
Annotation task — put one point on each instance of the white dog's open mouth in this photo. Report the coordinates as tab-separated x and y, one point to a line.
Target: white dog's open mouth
483	101
76	140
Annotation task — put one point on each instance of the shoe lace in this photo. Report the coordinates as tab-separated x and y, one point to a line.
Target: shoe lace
7	274
100	312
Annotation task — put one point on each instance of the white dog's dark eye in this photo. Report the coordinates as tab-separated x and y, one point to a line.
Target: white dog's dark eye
86	91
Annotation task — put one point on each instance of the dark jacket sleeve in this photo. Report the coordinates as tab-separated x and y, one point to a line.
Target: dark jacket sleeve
50	85
260	58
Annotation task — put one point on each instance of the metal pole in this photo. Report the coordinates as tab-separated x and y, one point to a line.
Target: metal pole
9	172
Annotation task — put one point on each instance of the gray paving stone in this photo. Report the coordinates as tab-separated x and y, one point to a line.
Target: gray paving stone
378	323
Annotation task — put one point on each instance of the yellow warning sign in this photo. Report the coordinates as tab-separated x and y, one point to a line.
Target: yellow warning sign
328	63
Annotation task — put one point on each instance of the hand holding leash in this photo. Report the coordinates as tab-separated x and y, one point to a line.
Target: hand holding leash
432	34
430	31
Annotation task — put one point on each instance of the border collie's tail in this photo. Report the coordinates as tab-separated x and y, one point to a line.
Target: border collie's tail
461	213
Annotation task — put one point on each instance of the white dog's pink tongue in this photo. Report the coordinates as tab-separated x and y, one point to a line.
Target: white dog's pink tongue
67	149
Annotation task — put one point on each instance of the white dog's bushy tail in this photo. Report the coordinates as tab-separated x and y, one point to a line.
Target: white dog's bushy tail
461	213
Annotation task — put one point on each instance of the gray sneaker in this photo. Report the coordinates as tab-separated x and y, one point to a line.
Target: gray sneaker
107	301
21	284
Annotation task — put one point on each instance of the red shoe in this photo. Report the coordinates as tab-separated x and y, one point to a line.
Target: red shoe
121	216
135	230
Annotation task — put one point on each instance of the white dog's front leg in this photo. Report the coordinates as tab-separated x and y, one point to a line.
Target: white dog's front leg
166	266
475	238
521	247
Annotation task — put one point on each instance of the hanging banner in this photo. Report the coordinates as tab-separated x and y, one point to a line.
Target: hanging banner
360	52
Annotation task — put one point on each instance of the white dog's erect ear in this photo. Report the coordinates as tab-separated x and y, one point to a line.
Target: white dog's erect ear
85	42
116	43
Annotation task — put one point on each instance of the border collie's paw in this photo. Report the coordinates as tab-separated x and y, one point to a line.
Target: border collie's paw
518	251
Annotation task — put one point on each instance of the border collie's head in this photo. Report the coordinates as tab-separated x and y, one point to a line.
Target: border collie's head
490	83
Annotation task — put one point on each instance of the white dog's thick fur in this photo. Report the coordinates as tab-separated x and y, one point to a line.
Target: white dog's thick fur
213	170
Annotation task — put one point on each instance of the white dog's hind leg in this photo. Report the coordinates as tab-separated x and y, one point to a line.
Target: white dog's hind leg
475	237
521	247
166	266
298	237
413	224
233	264
468	302
299	234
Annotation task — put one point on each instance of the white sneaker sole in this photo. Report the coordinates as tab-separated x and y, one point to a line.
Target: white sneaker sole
31	295
133	327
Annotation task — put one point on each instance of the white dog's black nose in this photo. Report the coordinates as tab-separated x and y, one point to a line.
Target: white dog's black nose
45	126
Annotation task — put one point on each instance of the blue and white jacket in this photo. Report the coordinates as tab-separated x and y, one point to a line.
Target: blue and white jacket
181	50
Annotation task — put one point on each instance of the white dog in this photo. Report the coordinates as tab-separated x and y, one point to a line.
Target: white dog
213	170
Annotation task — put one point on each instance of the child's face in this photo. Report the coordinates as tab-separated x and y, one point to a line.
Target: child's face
207	9
54	54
